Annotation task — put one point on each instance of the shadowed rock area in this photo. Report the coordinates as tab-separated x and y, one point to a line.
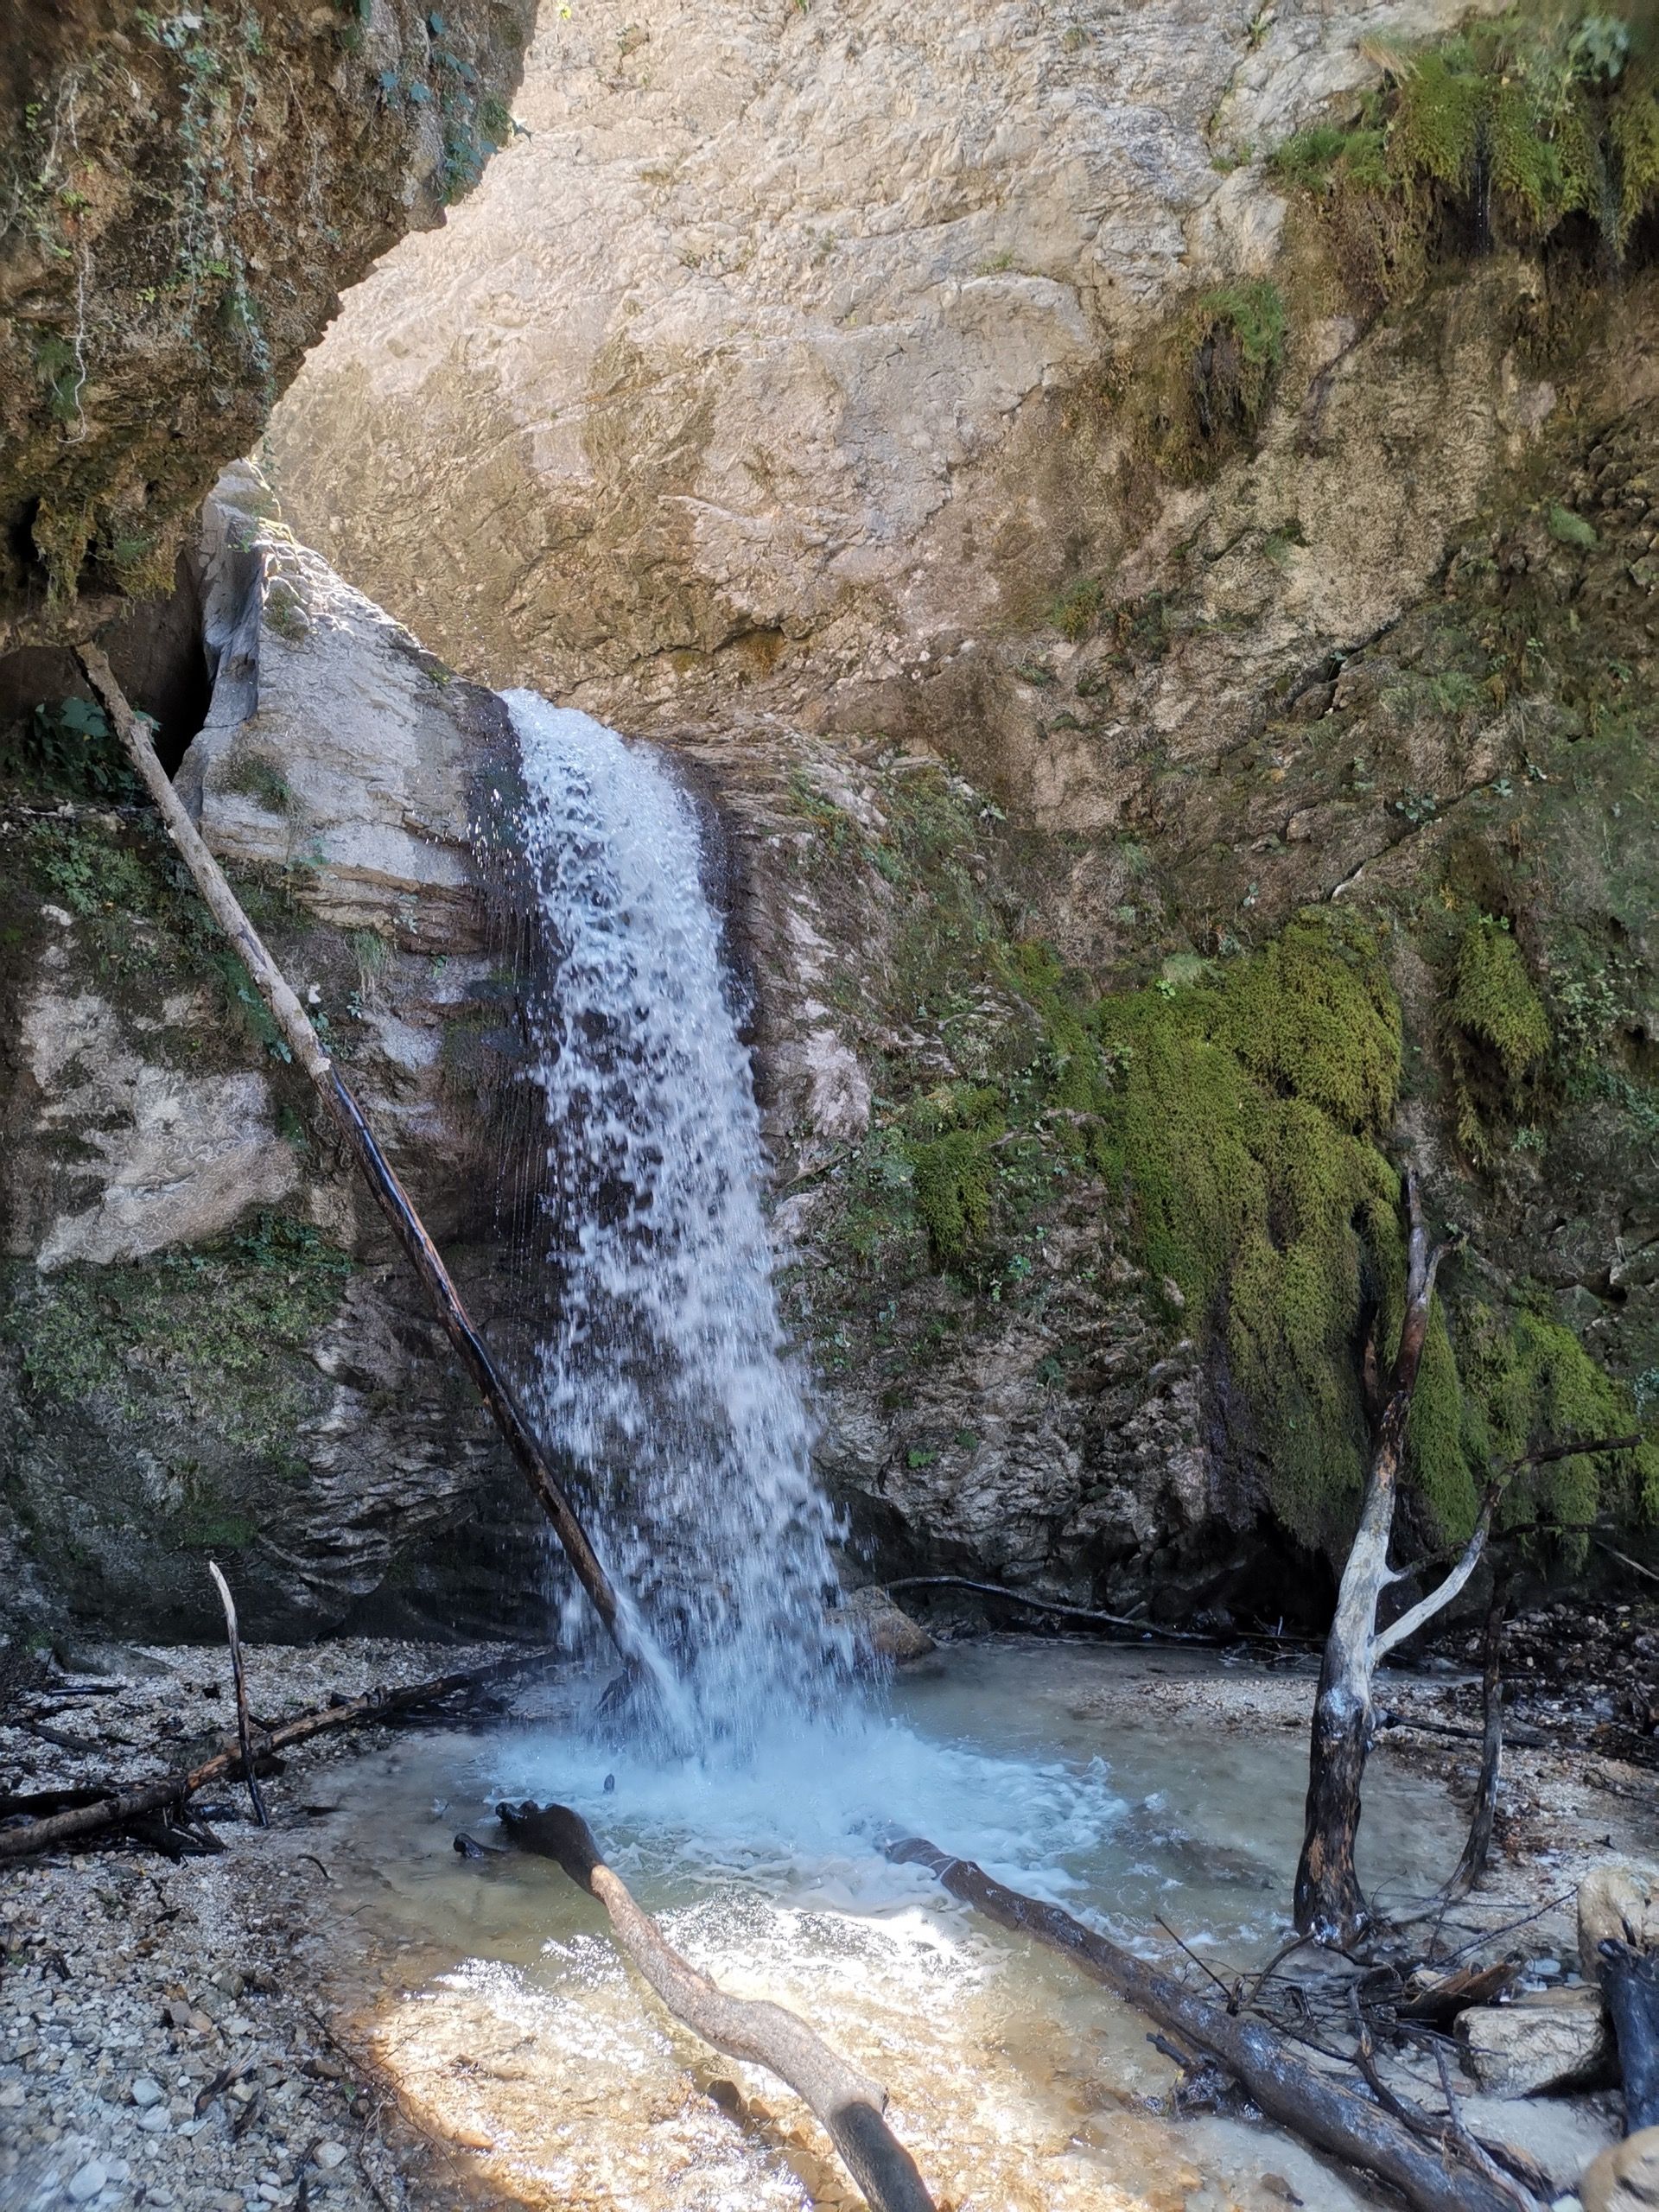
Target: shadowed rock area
183	193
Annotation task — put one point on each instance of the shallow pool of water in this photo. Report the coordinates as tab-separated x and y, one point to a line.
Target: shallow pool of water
510	2023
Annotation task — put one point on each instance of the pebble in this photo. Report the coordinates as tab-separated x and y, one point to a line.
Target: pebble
329	2155
116	1967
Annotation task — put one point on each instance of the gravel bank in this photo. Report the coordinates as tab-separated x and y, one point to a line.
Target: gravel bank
158	2046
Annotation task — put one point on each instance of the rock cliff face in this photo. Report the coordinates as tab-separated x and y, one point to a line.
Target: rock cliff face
1148	540
182	194
775	356
209	1345
1086	492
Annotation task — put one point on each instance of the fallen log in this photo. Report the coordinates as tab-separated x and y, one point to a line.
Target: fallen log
847	2101
1312	2105
1036	1605
302	1041
114	1807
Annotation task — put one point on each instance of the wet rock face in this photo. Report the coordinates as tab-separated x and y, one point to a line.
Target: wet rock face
183	193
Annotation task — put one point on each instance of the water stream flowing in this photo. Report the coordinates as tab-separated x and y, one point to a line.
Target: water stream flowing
665	1377
754	1825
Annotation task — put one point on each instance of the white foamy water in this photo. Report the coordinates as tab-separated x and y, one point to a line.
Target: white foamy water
665	1377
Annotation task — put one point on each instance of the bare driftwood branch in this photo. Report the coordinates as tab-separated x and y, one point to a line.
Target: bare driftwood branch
1419	1616
115	1806
1476	2153
1322	2111
847	2101
244	1736
1649	1574
1388	1720
302	1041
1049	1606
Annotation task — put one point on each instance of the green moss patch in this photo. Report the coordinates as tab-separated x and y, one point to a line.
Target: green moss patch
1198	392
1497	1034
1519	1381
1243	1136
198	1336
1509	129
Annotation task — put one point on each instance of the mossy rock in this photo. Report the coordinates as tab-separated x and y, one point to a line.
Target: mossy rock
1505	132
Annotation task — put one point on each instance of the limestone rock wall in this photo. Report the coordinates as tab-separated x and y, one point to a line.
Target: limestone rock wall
766	360
209	1343
801	395
183	192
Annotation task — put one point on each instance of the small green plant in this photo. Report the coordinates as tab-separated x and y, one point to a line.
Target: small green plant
252	777
1076	610
284	611
1568	529
1455	691
67	746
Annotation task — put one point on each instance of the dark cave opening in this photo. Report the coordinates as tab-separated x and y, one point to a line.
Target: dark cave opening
159	660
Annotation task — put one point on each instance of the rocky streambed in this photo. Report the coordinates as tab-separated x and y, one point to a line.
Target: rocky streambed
338	2010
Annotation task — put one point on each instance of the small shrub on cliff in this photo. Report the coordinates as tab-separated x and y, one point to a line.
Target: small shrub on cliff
1201	393
67	747
1506	130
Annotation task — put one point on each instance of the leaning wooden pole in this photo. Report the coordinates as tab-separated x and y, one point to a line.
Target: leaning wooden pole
302	1041
847	2102
1298	2096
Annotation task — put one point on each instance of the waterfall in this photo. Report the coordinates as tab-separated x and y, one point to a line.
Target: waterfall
664	1376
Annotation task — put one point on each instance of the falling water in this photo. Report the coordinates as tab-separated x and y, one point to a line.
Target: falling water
664	1376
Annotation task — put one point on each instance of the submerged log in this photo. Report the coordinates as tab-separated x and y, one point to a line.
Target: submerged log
849	2103
116	1806
1312	2105
393	1200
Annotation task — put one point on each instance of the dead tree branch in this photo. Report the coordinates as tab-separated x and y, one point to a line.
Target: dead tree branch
1307	2101
116	1806
1477	1847
849	2102
244	1735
